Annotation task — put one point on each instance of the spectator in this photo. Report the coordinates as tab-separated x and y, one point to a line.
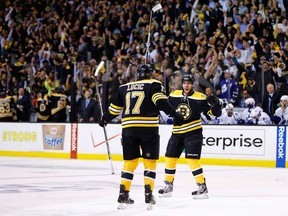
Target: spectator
89	110
229	88
23	105
52	36
270	100
245	94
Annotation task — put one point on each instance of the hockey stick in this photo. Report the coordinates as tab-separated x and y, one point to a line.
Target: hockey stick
154	9
102	113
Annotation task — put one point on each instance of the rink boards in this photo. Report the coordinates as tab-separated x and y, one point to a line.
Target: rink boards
262	146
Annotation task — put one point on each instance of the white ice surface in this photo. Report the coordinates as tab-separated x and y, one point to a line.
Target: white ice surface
58	187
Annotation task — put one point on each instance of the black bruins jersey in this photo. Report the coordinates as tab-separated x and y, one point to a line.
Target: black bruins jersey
139	103
58	103
190	108
7	109
43	109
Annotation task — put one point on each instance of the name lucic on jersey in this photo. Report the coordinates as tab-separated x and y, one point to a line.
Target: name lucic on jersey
137	86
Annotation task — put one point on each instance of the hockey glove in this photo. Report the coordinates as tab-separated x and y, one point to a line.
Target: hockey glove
169	121
249	122
102	122
240	122
250	106
275	119
178	119
214	102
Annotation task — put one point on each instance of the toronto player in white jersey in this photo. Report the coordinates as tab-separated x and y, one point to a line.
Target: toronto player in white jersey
209	119
258	117
249	104
282	111
229	116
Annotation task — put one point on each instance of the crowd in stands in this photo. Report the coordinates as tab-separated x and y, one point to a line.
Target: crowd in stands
236	50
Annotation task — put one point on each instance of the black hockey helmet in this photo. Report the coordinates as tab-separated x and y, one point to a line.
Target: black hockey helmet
2	92
144	71
60	90
188	78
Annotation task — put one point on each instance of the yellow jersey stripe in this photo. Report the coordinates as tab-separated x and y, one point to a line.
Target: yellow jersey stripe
210	112
188	124
140	118
185	131
116	107
140	122
114	113
114	110
140	125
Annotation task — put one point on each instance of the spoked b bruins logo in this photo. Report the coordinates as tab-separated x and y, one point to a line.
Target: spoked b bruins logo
184	110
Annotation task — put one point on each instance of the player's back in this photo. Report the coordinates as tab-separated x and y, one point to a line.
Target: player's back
137	102
7	109
43	109
58	102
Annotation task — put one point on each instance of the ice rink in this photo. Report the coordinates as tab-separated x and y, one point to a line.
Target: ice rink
58	187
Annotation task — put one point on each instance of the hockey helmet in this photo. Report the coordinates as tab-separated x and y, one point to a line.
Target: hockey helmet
188	78
229	107
284	98
255	113
2	92
250	101
60	90
144	71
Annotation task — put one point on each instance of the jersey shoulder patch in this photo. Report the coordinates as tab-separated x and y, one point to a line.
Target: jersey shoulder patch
176	93
198	96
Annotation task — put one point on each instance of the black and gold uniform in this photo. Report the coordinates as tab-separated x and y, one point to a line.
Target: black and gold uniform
59	102
188	136
43	109
139	104
190	107
7	107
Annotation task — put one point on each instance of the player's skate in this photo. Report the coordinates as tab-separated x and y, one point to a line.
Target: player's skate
149	198
124	199
201	193
167	190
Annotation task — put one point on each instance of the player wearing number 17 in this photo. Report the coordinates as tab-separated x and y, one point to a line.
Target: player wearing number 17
139	103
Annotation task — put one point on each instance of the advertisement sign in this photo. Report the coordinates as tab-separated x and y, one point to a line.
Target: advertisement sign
74	141
259	145
53	137
234	141
281	147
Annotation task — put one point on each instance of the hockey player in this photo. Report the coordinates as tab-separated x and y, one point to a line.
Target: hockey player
229	116
258	117
7	107
281	113
43	108
59	102
249	104
188	135
140	101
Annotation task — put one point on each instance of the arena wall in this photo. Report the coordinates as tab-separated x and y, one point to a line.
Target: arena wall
261	146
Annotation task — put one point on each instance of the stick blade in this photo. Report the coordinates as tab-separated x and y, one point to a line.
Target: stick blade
156	7
98	68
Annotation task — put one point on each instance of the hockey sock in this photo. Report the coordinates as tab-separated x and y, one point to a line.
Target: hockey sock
127	173
149	172
170	168
196	169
